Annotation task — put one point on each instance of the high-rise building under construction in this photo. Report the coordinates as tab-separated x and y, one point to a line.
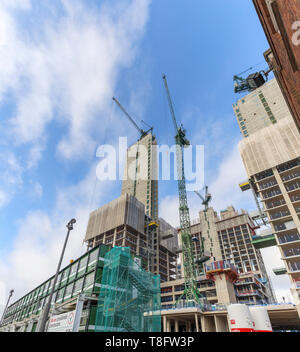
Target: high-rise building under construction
227	238
140	175
261	108
271	156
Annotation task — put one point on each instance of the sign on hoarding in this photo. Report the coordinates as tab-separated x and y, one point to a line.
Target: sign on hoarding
62	322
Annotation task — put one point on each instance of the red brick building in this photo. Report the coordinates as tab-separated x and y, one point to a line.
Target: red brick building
280	20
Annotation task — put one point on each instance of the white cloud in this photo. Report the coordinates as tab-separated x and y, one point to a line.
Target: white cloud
10	176
70	75
16	4
168	209
64	72
35	155
38	190
3	198
225	186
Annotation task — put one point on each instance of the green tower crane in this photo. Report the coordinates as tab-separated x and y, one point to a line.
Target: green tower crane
191	292
206	199
141	131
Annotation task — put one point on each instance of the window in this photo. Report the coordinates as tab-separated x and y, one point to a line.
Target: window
78	285
60	294
83	263
65	274
89	280
73	268
69	289
94	254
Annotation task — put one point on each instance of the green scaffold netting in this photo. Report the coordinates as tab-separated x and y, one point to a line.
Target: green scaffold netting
129	299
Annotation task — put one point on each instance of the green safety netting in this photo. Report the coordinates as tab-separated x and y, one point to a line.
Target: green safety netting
129	298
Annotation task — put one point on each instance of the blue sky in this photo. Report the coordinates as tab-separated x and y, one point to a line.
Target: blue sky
61	61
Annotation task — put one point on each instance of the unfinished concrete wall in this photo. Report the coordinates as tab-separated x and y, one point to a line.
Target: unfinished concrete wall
271	146
225	289
140	174
123	210
165	228
260	108
221	323
208	324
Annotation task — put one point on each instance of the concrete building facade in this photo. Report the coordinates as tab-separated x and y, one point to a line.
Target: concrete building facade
228	237
271	156
140	174
193	319
279	190
261	108
123	223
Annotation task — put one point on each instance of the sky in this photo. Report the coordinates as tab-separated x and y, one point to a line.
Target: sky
61	61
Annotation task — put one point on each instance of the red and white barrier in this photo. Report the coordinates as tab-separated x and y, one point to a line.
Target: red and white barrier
261	319
239	318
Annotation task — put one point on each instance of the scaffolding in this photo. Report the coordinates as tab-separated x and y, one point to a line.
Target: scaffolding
129	298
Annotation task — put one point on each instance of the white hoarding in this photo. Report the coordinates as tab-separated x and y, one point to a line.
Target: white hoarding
62	322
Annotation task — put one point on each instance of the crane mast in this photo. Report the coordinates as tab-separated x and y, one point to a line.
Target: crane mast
190	292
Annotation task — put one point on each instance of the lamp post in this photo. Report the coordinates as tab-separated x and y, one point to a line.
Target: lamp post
5	309
45	314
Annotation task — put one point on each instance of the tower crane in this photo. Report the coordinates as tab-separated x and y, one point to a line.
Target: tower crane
141	131
206	199
189	263
252	82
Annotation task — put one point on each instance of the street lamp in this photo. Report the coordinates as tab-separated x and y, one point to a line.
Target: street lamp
45	314
5	309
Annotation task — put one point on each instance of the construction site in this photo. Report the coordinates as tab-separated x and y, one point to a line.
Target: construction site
141	274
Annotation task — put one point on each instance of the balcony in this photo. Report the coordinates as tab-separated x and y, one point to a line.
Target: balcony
260	242
267	185
291	176
276	203
248	293
264	175
290	225
279	271
279	214
294	267
292	252
284	239
291	165
271	194
295	198
293	187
